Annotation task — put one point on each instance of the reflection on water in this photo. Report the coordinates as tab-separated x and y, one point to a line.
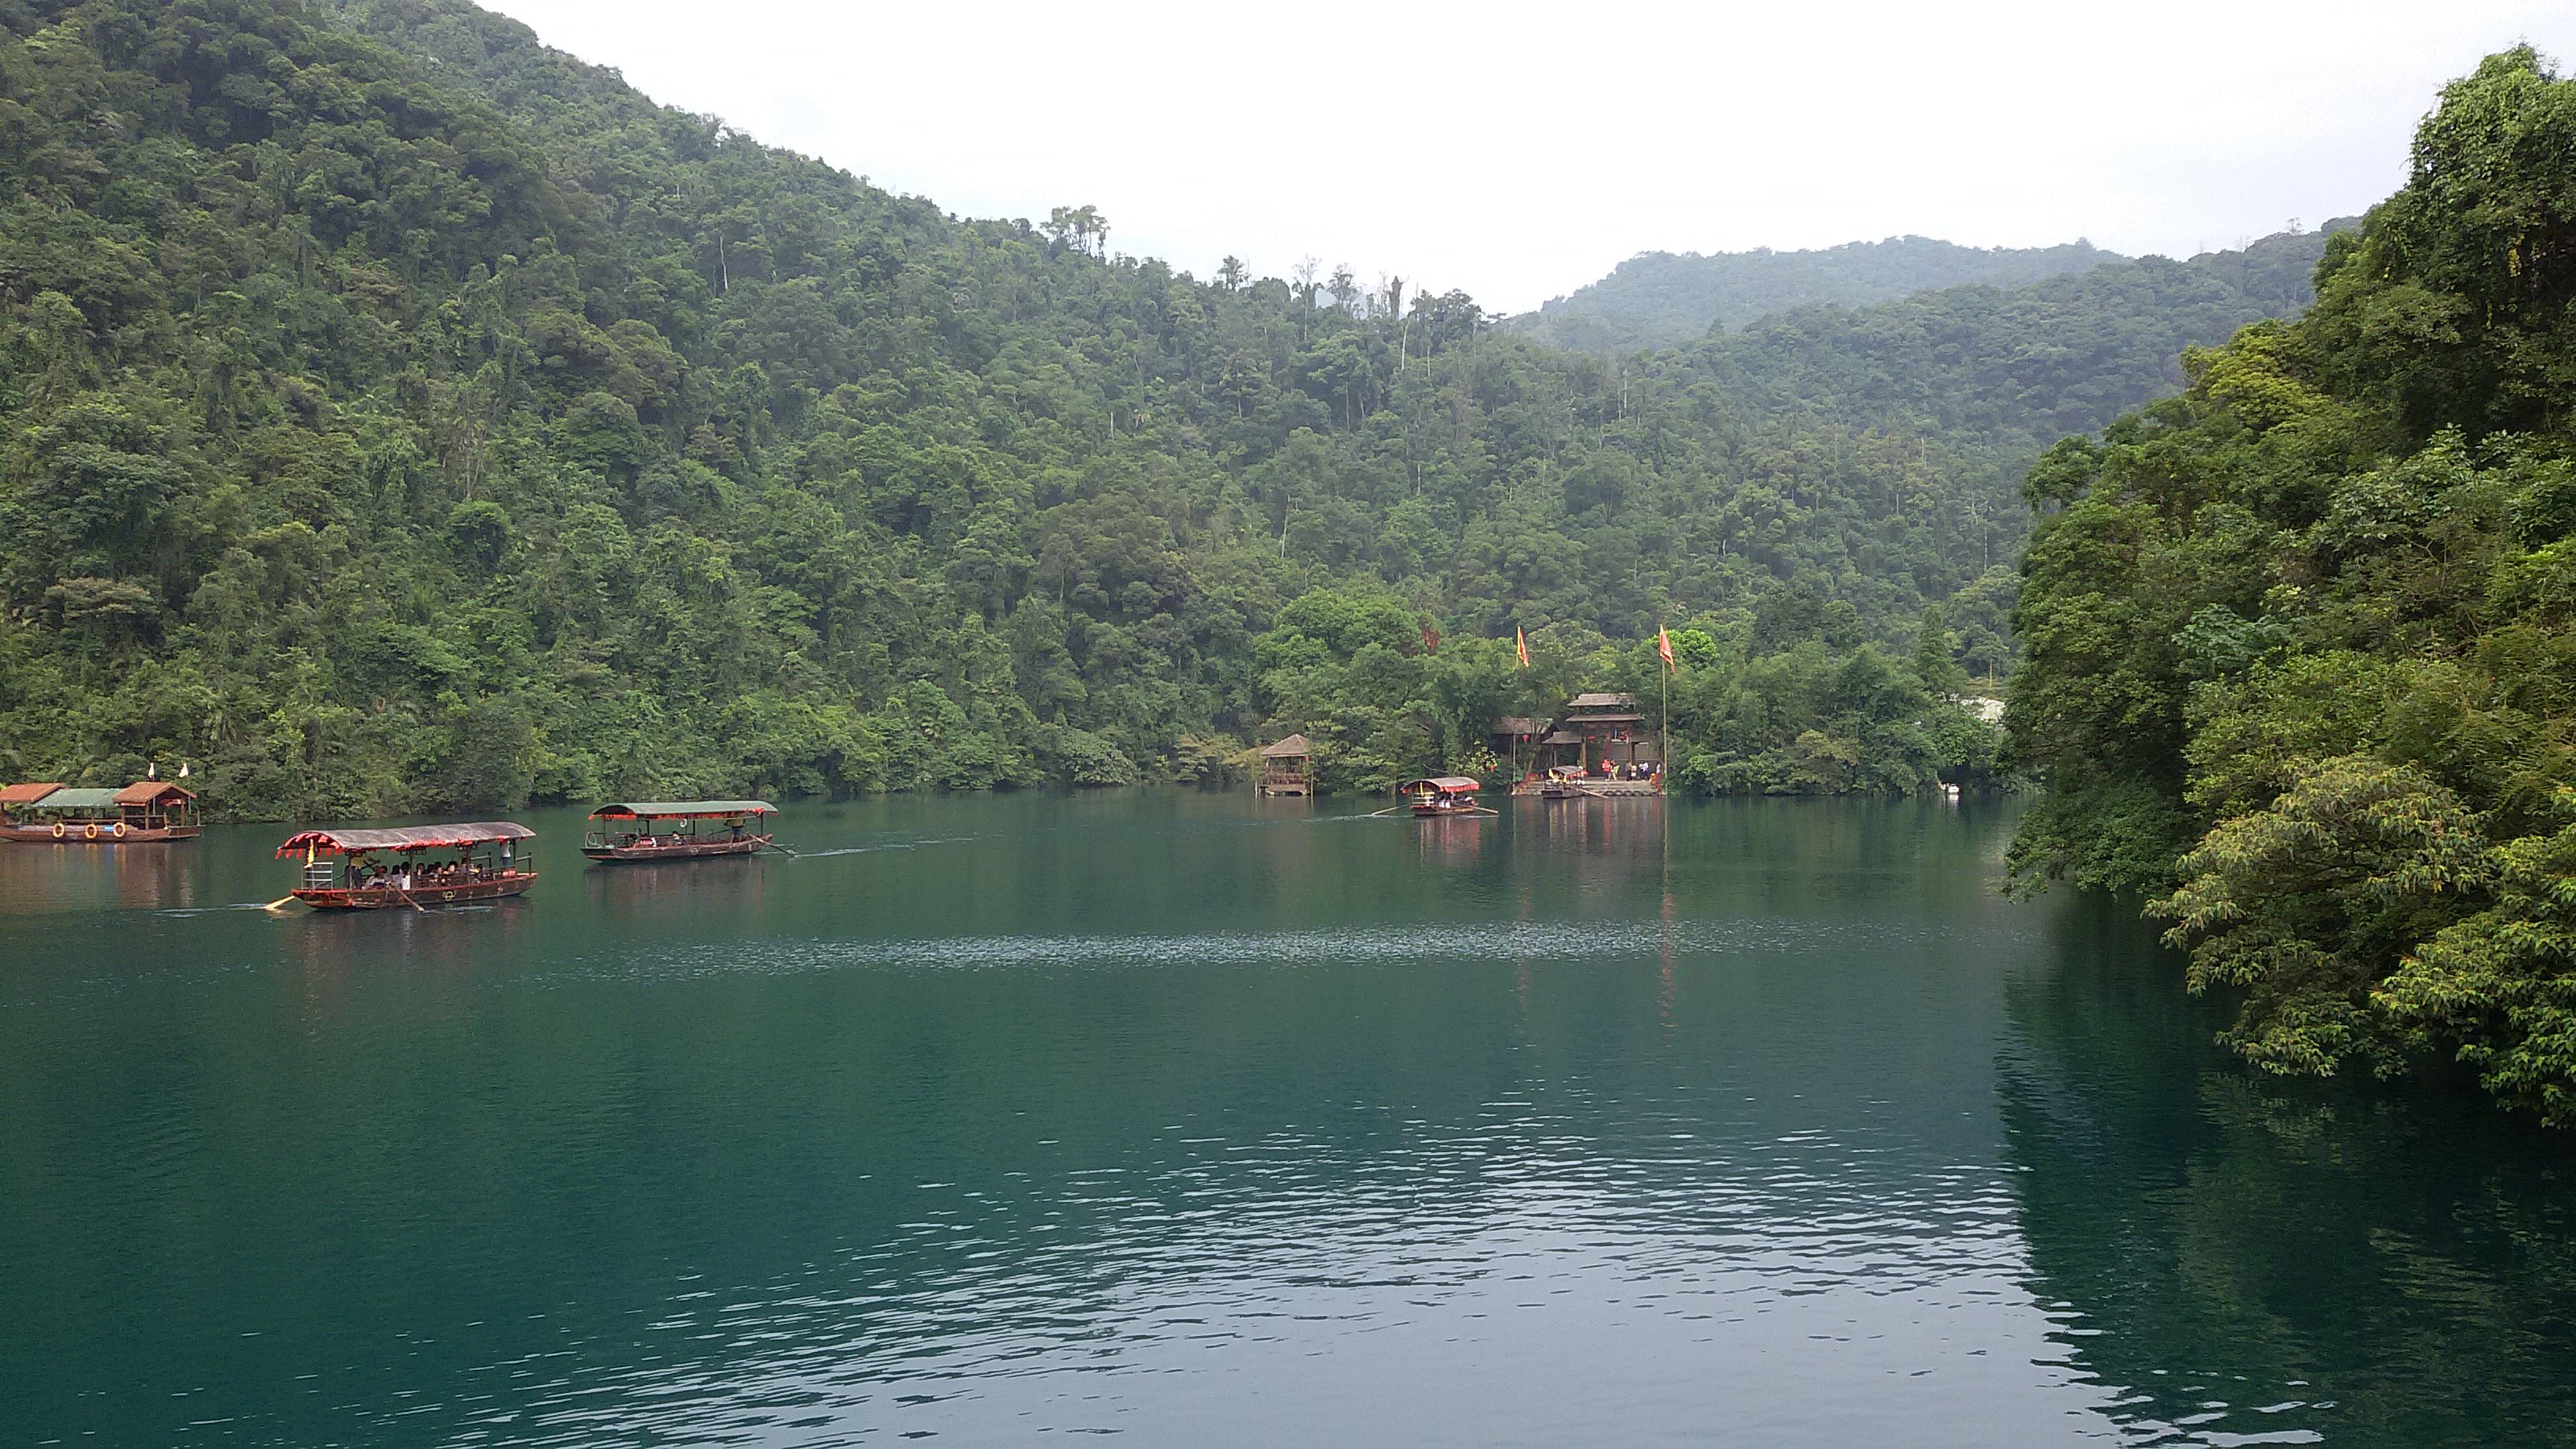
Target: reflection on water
40	877
2279	1262
1197	1119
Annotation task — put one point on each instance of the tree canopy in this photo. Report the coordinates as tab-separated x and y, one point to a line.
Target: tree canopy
2299	641
399	415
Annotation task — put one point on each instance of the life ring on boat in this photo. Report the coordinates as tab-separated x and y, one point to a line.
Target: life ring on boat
117	830
58	830
89	832
447	895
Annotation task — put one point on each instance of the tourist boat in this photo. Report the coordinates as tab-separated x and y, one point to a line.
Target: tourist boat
140	814
1442	795
415	866
696	828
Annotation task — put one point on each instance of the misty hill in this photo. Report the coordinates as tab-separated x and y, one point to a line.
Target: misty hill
1656	299
2015	367
399	415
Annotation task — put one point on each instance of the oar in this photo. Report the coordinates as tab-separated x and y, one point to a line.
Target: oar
407	900
273	905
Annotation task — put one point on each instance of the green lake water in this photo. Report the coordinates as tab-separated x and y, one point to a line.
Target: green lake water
1194	1121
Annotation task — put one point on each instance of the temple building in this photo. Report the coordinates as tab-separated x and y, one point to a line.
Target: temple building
1598	727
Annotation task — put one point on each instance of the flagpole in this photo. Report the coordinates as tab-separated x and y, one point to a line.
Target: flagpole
1664	733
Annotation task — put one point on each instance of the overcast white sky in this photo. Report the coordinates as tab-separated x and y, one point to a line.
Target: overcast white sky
1521	152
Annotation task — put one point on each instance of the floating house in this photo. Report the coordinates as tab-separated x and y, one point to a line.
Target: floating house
1288	767
140	814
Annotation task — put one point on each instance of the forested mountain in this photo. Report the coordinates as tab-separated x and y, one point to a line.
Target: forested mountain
2014	368
2302	641
1656	299
399	415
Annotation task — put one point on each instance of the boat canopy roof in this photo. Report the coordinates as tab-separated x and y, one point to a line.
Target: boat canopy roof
1444	784
681	809
25	794
151	792
404	838
78	799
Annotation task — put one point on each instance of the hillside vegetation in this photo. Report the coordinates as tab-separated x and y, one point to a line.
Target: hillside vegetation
399	415
2302	640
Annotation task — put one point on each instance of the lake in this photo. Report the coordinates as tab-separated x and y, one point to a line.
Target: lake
1195	1120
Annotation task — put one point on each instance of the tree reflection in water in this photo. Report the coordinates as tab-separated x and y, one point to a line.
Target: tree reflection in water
2297	1261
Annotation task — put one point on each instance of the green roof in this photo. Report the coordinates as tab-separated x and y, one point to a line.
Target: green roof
682	809
101	800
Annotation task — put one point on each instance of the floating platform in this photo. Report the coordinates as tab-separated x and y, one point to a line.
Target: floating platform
1561	789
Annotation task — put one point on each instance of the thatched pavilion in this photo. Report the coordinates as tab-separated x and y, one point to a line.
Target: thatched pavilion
1288	767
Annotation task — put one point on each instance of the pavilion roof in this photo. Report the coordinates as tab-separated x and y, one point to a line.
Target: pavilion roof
76	799
1293	745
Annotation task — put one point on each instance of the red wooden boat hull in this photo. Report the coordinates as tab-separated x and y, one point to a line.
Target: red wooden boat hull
95	832
693	850
386	898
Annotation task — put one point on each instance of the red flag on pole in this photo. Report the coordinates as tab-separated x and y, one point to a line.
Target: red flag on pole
1520	641
1664	645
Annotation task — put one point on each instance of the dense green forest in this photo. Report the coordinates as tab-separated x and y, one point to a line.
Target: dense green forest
399	415
2302	640
1658	299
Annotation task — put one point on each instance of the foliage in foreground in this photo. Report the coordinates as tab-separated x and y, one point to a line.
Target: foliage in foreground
2301	643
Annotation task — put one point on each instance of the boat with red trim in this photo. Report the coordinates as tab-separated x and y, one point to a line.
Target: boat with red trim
415	866
140	814
678	829
1442	795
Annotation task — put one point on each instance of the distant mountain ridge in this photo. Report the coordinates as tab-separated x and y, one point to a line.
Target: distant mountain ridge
2012	366
1658	299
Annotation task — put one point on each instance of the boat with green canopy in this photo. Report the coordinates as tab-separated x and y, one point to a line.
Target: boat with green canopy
677	829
